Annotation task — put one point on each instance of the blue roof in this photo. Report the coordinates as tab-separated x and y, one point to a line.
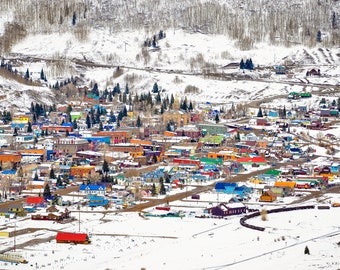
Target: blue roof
221	185
91	187
9	172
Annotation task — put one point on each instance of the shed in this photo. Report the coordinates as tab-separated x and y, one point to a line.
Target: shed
76	238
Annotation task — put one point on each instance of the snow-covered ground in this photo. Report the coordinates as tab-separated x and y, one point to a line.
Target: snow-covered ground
128	241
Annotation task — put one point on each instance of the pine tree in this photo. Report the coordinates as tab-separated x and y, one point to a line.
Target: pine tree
318	36
29	127
15	132
217	118
75	124
190	107
88	121
162	190
242	65
42	75
27	74
105	169
334	24
153	190
127	89
52	175
155	88
260	114
138	122
74	18
47	191
307	250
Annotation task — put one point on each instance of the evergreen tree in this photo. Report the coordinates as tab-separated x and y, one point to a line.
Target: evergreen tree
42	75
101	128
74	18
250	64
154	44
307	250
260	114
284	113
168	127
334	21
36	176
75	124
15	132
139	122
217	118
242	65
47	191
88	121
125	112
127	89
158	98
162	190
153	190
155	88
184	105
27	74
162	109
105	169
52	175
190	107
318	36
29	127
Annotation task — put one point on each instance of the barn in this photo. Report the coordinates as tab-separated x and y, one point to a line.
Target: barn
75	238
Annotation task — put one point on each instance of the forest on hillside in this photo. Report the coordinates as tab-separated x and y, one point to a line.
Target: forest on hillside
247	22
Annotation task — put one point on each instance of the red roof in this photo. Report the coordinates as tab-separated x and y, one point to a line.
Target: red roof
74	237
258	159
35	200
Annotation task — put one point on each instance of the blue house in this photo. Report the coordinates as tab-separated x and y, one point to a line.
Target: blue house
227	188
92	189
95	200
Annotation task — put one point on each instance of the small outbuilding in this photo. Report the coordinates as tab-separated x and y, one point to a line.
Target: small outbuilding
75	238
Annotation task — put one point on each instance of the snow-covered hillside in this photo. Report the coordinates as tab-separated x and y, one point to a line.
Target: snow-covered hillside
92	38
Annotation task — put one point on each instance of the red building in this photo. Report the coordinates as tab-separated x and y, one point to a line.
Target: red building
76	238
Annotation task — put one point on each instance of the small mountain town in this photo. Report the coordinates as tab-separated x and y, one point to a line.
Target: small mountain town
161	135
184	161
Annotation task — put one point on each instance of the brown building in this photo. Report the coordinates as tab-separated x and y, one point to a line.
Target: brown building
177	117
71	145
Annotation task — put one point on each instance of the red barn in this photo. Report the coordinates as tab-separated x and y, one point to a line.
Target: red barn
76	238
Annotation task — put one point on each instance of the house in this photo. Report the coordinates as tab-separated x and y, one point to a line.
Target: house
51	215
280	70
228	209
268	196
262	122
35	201
74	238
313	72
95	200
92	189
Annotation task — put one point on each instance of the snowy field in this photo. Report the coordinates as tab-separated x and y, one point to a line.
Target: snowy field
128	241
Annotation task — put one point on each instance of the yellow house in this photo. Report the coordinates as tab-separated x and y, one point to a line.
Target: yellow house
20	119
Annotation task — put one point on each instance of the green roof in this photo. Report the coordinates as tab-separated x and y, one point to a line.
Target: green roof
273	172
